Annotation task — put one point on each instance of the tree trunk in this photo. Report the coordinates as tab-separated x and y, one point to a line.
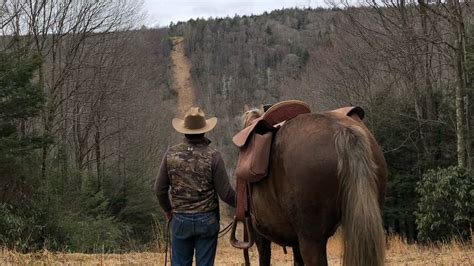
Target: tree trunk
98	158
460	91
44	149
429	98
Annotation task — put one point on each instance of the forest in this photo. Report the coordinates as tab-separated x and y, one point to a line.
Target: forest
87	97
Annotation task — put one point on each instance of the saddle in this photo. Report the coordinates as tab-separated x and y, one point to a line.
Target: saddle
255	140
254	144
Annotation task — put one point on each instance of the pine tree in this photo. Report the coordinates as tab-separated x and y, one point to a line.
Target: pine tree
20	101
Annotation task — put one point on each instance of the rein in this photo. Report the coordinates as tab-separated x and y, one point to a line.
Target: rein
224	231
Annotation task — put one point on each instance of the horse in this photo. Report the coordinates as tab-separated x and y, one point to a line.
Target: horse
326	170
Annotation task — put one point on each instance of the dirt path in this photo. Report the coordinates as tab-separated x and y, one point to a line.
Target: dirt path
182	81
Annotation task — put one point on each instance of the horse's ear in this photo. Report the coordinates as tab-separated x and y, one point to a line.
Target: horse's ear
246	108
356	111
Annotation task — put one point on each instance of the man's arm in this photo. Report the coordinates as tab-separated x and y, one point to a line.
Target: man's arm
162	185
221	180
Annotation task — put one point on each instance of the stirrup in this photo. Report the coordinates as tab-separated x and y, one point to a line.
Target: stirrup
237	243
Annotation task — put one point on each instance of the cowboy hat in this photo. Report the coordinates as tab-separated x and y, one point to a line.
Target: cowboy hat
194	122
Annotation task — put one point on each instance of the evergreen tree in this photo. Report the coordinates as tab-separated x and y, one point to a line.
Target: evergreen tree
20	101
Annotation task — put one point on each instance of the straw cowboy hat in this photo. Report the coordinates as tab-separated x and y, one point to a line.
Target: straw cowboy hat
194	122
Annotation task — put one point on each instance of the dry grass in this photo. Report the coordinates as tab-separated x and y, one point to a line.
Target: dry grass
399	253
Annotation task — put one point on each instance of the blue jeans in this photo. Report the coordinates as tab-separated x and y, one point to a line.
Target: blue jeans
194	231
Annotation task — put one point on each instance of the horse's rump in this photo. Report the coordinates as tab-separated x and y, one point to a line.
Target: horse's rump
302	198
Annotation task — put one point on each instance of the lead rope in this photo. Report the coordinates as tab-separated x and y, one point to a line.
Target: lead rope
224	231
167	243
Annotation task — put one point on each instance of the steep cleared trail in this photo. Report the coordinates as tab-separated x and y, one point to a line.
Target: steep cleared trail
182	81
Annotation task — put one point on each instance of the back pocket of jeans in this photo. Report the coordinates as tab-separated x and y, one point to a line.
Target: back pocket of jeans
180	229
212	225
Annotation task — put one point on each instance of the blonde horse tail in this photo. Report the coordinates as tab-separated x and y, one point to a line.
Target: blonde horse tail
364	238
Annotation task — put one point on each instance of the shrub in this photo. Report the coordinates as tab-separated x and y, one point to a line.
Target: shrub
89	234
446	207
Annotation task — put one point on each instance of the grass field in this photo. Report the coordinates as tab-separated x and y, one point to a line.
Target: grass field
398	253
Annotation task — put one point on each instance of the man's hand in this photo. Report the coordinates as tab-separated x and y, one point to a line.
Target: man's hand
169	215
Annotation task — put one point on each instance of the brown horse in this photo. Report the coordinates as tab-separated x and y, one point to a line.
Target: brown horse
326	170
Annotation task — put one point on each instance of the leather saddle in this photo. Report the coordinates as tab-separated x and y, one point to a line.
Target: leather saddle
255	140
275	115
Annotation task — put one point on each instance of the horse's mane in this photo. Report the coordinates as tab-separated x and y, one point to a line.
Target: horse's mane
251	115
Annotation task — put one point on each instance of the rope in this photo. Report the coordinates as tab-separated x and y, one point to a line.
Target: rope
224	231
167	243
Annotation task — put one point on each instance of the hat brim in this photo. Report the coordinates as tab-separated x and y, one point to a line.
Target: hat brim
178	125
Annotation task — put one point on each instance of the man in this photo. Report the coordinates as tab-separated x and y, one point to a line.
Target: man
194	174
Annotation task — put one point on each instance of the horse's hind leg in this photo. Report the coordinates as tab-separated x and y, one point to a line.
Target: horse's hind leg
313	252
297	259
264	250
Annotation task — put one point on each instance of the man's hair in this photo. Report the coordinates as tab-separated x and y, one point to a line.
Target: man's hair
194	136
266	107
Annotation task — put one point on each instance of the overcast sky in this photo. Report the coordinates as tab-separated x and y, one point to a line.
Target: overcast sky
162	12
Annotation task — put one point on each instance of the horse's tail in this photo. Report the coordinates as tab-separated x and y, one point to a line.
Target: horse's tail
364	238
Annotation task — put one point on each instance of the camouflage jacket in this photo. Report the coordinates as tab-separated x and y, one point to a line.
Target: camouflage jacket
193	173
190	172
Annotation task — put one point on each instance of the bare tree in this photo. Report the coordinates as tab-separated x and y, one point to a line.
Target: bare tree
422	39
60	31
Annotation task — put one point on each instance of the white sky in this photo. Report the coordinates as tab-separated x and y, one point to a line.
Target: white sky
162	12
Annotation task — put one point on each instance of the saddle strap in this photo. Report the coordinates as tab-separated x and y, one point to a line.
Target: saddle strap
242	215
246	250
242	200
